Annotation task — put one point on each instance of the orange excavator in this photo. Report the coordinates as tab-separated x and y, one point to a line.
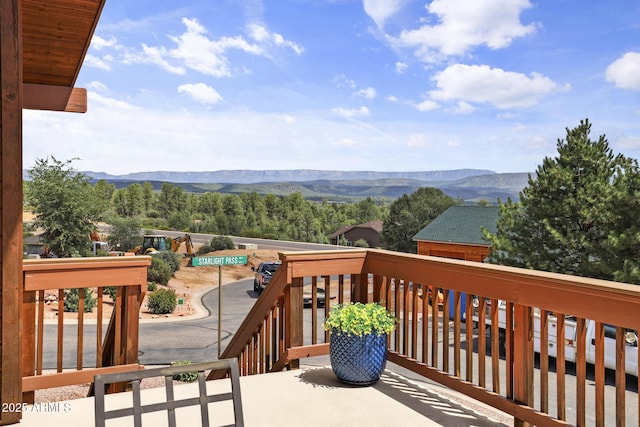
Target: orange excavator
152	243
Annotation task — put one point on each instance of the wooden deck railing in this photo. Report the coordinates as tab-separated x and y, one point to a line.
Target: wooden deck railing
435	341
115	348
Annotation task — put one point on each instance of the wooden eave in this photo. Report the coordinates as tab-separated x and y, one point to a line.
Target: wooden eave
55	38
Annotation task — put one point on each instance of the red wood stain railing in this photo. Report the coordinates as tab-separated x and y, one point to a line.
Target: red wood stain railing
435	300
116	348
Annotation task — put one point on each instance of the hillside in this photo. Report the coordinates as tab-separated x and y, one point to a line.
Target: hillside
245	176
470	185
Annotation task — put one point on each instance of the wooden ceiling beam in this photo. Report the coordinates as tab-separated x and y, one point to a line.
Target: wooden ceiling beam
54	98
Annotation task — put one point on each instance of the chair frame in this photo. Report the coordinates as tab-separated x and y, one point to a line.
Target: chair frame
230	365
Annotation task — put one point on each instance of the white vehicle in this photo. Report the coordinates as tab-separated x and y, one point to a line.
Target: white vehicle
570	339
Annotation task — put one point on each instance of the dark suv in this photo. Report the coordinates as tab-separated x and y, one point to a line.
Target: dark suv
263	275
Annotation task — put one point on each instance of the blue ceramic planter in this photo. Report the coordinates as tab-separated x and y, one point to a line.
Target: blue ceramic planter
358	360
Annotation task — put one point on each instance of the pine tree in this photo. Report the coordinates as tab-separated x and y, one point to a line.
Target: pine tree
577	216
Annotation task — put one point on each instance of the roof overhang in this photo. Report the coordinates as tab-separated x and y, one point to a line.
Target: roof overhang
55	38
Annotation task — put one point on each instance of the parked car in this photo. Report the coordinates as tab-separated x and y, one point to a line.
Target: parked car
320	297
263	274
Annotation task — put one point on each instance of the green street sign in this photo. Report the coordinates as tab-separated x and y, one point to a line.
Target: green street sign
218	261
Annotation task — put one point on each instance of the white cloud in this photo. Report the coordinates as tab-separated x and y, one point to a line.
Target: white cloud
482	84
392	98
366	93
464	108
427	105
465	24
260	34
201	92
624	72
97	86
381	10
98	42
401	67
94	61
341	80
351	112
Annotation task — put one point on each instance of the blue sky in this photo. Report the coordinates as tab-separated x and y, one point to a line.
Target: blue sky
383	85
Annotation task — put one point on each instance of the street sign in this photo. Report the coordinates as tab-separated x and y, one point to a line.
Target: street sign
218	261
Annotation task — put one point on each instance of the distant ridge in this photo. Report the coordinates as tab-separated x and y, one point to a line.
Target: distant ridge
470	185
246	176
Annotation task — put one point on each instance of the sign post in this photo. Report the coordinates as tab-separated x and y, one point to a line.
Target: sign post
219	261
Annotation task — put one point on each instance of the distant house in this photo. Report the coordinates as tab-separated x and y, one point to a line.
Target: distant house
33	245
457	233
369	231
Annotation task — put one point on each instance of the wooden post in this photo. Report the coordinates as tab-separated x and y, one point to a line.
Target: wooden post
11	281
522	357
296	318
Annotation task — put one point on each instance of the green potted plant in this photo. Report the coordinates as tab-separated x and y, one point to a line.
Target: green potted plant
358	341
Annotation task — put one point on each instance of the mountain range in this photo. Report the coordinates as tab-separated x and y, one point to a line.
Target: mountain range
470	185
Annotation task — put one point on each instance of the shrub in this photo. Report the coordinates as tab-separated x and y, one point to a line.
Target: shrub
111	291
159	271
162	301
187	377
218	243
361	243
171	258
151	287
72	298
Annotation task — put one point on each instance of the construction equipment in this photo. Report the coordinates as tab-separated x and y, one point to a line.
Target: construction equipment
153	243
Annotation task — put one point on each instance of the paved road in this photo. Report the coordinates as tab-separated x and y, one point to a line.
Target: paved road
162	342
279	245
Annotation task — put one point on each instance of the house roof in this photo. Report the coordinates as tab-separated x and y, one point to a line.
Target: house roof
460	224
55	38
374	225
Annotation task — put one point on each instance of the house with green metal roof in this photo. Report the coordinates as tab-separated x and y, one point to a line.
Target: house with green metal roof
457	233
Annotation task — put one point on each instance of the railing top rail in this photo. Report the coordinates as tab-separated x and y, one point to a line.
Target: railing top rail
580	296
323	263
85	263
65	273
507	273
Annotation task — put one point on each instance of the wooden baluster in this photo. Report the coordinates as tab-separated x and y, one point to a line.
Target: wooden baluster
457	330
100	314
469	338
445	330
482	342
495	345
561	367
581	373
60	329
80	340
544	361
523	357
425	324
621	377
314	310
599	373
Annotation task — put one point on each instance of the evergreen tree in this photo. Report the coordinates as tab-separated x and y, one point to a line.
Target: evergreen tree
577	216
409	214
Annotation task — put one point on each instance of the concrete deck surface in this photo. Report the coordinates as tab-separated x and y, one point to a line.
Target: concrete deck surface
306	397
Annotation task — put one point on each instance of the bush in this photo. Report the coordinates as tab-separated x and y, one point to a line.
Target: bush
361	243
111	291
162	301
171	258
159	271
151	287
73	297
218	243
186	377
